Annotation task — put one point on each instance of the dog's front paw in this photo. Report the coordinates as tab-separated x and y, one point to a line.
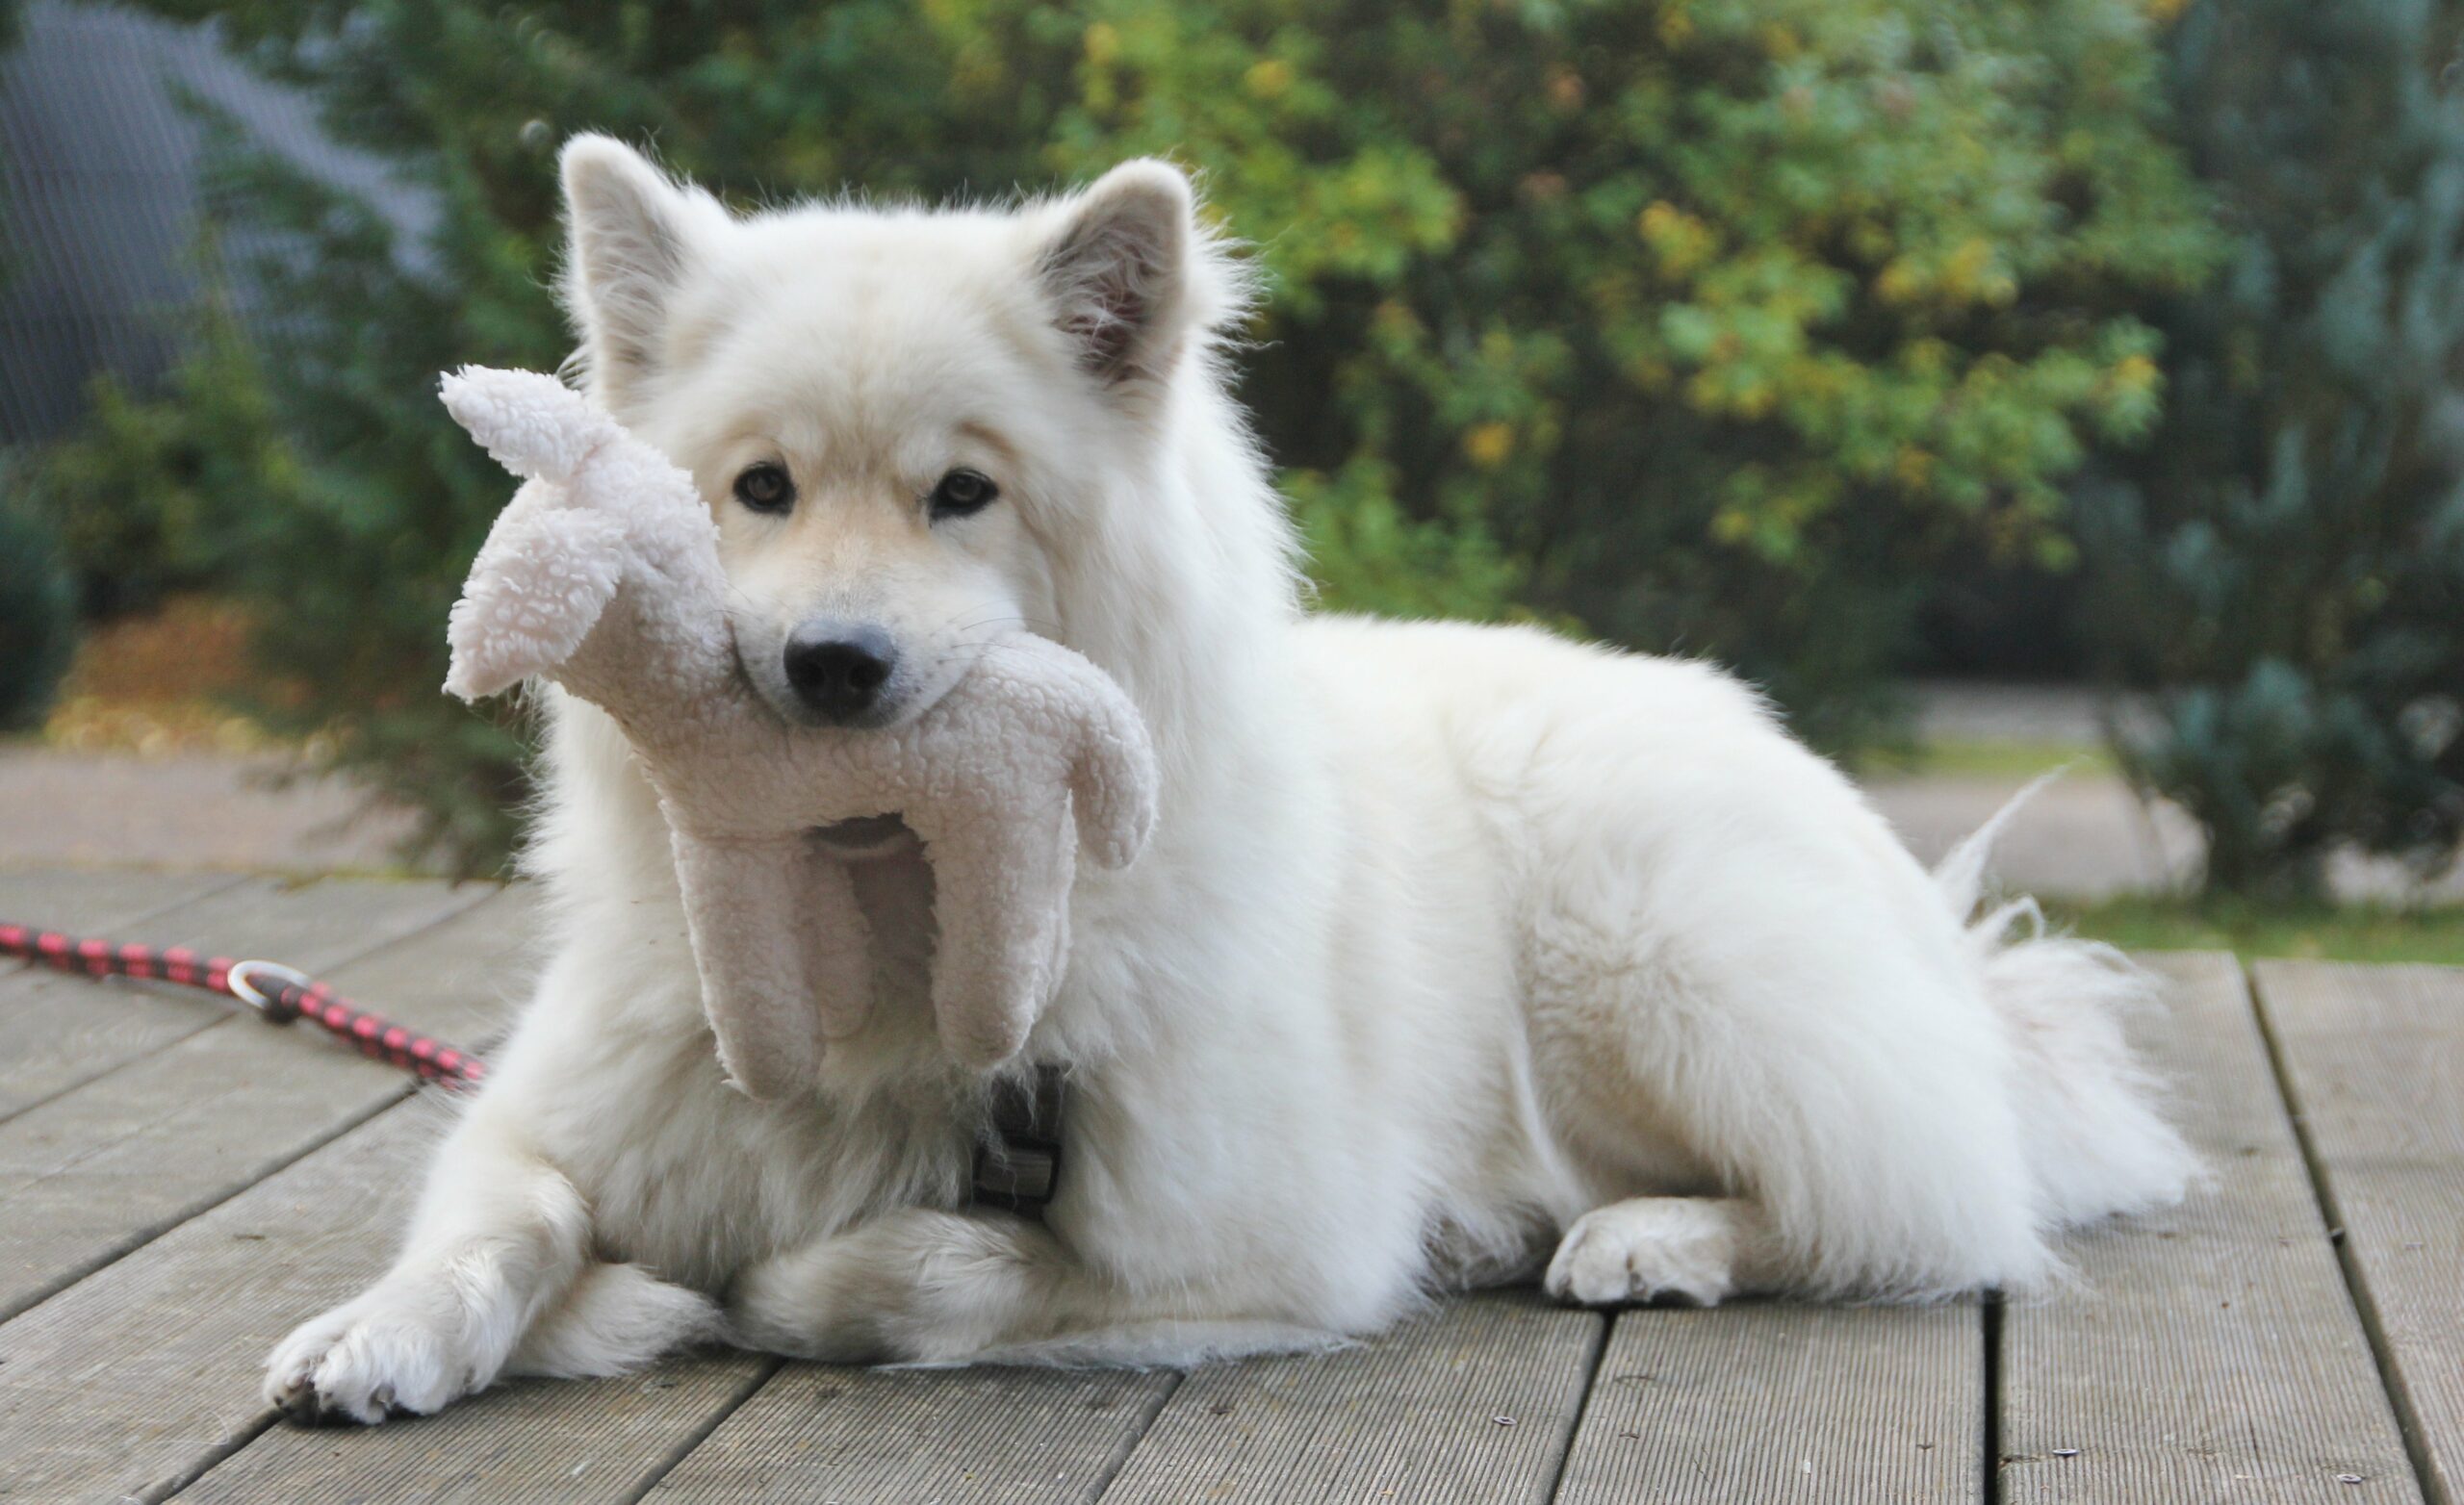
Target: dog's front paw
367	1360
1650	1249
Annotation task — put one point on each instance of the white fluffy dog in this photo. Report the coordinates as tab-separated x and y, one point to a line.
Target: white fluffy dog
1460	954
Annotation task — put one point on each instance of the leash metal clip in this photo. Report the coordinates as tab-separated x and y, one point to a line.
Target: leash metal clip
270	1006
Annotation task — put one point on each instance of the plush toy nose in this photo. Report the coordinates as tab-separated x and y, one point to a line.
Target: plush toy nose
838	667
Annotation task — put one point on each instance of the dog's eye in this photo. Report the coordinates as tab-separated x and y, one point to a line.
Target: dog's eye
962	491
765	487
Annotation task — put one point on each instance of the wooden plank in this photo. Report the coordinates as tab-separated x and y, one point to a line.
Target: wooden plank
137	1380
58	1033
98	901
144	1376
2376	1059
2210	1353
132	1381
1766	1402
97	1171
1472	1404
572	1441
954	1436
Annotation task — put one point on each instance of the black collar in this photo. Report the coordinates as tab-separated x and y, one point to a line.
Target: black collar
1018	1164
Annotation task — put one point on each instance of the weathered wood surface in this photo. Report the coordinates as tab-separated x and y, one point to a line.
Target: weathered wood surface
58	1033
1763	1402
87	903
98	901
2210	1353
137	1378
574	1443
1471	1405
970	1437
179	1187
2376	1061
97	1170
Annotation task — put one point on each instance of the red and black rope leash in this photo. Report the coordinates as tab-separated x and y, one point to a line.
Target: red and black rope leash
277	993
1017	1169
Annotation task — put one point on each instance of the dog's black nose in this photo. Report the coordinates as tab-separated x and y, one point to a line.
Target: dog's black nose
838	667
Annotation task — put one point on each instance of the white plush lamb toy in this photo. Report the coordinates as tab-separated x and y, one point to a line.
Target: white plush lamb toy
602	575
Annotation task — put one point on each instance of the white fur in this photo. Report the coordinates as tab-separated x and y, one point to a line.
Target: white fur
1448	937
602	575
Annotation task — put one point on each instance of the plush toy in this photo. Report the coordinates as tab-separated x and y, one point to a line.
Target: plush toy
602	575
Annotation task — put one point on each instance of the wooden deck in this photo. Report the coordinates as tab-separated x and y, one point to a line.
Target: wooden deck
179	1185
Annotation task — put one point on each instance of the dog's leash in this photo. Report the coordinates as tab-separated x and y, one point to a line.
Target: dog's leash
278	994
1017	1169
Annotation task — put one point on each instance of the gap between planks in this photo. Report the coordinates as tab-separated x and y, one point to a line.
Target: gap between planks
2414	1426
2210	1352
90	1176
71	1031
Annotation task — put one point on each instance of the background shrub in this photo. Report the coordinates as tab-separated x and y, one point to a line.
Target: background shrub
2284	564
1711	324
38	614
146	498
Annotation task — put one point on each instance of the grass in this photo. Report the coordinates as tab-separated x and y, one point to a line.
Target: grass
2388	932
2338	933
1978	758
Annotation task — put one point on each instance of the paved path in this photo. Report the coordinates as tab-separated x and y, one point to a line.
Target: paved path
187	811
2084	837
178	1185
1971	710
2087	836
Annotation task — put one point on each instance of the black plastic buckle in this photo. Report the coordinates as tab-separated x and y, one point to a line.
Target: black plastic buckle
278	1005
1017	1165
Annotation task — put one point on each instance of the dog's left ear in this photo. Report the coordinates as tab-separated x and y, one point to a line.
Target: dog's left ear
1118	274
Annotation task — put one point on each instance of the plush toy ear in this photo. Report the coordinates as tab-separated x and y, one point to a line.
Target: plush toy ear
536	589
634	235
531	424
1119	274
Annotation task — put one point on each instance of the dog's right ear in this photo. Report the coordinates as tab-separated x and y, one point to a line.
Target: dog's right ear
633	234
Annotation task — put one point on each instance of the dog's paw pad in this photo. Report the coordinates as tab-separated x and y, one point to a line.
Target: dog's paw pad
362	1366
1636	1252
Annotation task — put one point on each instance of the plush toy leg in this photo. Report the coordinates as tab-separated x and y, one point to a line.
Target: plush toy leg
1001	904
1113	783
750	904
837	944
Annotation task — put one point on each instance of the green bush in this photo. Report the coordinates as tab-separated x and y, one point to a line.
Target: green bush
2284	564
37	616
147	495
1711	324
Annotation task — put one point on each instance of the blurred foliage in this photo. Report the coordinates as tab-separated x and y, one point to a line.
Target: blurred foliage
145	500
37	601
1711	324
37	613
2285	562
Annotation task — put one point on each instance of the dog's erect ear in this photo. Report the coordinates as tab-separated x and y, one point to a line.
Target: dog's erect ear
633	234
1119	272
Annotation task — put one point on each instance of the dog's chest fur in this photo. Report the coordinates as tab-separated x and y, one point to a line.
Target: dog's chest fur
702	1181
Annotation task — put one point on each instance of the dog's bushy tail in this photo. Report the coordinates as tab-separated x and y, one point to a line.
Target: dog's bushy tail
2096	1143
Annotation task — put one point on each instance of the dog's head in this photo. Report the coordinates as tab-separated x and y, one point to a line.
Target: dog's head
897	415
